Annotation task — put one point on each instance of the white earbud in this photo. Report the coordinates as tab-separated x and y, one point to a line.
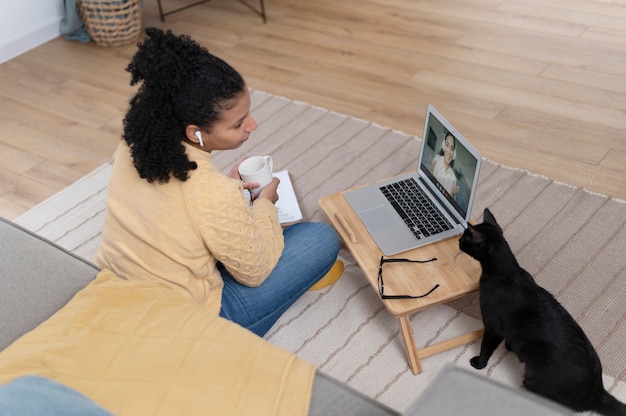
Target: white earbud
199	136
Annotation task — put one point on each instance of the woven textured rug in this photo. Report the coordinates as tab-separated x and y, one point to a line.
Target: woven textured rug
571	240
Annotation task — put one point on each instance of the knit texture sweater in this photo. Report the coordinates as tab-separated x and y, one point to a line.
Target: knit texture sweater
176	232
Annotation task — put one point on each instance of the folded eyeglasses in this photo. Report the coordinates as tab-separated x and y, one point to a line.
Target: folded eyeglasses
381	283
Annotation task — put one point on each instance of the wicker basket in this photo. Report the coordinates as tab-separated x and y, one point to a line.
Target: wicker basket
111	23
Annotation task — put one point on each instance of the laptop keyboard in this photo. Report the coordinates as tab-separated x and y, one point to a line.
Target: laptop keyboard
416	209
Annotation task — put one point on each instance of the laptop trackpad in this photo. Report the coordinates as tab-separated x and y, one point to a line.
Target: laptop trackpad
380	218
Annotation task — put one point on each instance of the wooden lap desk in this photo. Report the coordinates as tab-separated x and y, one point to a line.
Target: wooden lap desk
456	273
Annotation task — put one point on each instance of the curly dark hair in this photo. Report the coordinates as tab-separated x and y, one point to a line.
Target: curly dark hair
182	84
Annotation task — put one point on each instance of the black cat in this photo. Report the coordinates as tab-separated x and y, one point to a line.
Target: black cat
561	364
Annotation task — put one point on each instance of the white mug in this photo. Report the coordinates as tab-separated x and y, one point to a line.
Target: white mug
257	169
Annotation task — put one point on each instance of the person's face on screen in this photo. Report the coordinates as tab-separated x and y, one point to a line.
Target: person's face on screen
448	149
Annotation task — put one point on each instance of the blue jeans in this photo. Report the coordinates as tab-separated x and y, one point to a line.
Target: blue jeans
35	395
310	251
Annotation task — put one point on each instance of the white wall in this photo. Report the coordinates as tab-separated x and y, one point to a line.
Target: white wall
26	24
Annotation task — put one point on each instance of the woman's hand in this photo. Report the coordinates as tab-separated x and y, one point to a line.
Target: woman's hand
234	172
269	191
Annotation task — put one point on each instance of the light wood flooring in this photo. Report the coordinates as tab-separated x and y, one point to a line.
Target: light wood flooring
535	85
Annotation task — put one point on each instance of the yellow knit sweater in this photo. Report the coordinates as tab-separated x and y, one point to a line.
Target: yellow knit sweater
175	233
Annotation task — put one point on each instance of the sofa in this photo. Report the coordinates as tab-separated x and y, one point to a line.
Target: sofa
44	287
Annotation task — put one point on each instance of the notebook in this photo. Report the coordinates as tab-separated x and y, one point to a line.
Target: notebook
447	192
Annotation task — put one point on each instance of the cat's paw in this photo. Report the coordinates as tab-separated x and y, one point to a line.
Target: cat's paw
477	363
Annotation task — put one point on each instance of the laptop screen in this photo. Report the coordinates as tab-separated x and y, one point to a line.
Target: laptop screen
449	161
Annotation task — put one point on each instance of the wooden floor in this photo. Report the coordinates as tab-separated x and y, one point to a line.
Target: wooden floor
536	85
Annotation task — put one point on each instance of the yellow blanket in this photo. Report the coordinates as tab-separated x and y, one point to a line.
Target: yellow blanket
139	348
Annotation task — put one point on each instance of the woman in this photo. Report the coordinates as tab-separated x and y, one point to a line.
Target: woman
173	217
442	166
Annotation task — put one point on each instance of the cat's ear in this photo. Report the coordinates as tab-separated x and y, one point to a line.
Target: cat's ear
490	219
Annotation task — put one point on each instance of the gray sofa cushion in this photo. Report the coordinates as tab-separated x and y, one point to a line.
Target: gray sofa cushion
456	391
37	278
331	397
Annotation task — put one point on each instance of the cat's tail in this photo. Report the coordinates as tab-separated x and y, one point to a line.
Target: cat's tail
610	406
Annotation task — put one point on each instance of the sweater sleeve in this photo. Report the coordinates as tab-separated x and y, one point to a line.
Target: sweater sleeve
248	241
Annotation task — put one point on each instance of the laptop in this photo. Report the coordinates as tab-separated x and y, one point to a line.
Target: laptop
441	192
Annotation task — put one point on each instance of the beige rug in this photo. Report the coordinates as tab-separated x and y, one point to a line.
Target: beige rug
572	241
